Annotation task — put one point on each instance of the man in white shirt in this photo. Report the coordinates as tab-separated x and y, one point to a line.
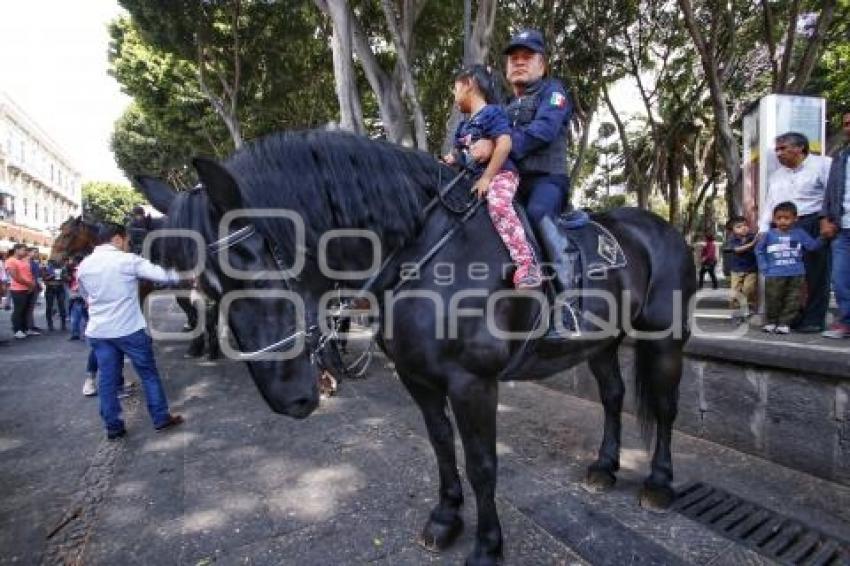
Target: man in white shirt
109	281
801	178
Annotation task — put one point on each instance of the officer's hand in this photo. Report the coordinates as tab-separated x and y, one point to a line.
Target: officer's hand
448	159
481	150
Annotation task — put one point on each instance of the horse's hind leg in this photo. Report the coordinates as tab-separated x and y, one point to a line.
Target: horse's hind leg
605	367
444	523
474	401
659	370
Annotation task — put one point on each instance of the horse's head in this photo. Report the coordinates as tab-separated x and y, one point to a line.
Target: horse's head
76	237
241	270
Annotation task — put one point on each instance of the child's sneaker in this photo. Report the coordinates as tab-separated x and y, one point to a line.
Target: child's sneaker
783	329
769	328
531	279
837	330
20	335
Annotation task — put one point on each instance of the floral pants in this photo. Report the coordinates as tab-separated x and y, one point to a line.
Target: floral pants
500	205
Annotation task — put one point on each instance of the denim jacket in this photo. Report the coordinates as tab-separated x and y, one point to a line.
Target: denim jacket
833	200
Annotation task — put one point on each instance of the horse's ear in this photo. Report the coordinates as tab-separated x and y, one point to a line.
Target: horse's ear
159	194
220	184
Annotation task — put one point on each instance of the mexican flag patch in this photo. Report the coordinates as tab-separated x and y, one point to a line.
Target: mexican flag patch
558	100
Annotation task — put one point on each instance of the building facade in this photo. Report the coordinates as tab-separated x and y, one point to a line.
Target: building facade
39	187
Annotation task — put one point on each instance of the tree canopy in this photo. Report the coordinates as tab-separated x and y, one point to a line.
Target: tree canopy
109	202
206	76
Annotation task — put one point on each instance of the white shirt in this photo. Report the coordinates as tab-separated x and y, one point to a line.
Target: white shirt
805	186
109	280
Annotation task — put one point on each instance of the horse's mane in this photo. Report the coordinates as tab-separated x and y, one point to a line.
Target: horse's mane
335	179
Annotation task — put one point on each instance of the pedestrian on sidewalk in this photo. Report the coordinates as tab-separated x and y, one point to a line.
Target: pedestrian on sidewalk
4	281
55	279
23	286
835	225
743	266
35	268
801	179
780	258
78	312
708	261
108	280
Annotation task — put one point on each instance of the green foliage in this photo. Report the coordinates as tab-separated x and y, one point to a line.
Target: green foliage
286	80
109	202
142	146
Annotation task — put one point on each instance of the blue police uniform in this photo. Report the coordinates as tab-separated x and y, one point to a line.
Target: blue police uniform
539	120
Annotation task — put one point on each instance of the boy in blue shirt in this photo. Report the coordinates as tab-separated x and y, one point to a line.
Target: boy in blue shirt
780	258
742	265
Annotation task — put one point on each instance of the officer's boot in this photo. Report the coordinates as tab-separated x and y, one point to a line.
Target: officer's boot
564	262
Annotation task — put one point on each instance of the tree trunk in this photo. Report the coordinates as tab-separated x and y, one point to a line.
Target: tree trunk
636	180
479	48
726	141
226	104
408	82
582	148
807	62
390	105
350	112
674	174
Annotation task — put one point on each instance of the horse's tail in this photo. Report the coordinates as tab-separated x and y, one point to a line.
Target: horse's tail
659	360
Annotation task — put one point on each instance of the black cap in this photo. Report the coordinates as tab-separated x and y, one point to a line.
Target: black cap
528	38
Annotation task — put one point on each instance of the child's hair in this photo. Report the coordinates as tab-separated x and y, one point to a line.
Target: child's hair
786	206
483	78
737	220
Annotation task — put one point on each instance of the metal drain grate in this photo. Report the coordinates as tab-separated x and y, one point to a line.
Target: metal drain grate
768	533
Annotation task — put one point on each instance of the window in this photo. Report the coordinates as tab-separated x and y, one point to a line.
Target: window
35	211
26	208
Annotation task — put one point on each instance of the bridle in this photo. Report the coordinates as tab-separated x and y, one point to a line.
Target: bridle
315	341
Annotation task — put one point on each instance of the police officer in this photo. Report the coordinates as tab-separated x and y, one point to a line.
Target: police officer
540	111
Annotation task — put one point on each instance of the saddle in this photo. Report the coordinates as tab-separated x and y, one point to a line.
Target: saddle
581	248
579	251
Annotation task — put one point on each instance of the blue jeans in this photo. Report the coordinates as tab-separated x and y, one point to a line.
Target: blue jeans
78	315
110	352
544	195
817	277
841	274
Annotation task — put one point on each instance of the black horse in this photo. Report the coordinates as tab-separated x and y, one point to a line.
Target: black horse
434	328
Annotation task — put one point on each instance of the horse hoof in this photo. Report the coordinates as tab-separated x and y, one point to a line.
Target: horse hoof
599	479
439	536
657	498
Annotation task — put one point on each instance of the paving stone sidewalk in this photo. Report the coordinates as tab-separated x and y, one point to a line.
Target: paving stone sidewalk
352	484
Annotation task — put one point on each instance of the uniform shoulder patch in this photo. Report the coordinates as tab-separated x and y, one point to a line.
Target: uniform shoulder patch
558	100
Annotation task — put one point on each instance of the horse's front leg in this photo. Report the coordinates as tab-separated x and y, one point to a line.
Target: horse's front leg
211	332
444	523
474	402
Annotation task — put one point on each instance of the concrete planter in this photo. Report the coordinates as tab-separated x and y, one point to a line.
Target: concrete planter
789	404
